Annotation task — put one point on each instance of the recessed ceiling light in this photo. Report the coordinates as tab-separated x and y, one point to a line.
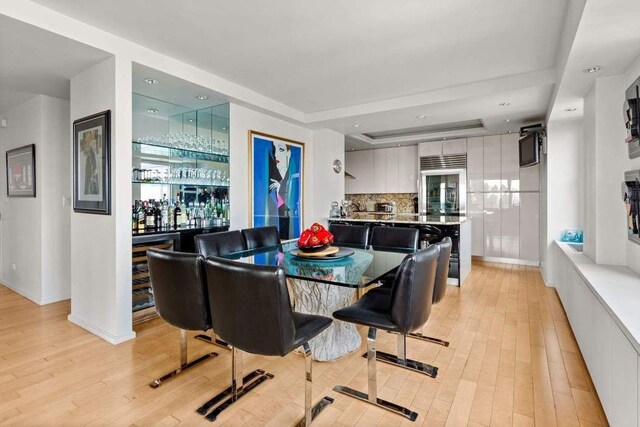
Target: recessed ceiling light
353	149
202	97
569	110
398	145
421	116
356	125
593	69
504	104
508	131
151	81
507	120
152	110
444	139
190	120
224	128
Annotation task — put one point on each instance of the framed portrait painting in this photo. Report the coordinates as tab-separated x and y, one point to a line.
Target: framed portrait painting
21	171
276	183
91	164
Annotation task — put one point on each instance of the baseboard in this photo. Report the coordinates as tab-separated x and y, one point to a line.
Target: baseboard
107	336
57	298
506	260
28	295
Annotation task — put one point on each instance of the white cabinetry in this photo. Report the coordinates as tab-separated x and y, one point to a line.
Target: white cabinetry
529	226
475	212
530	178
492	163
386	170
475	165
408	169
510	163
431	148
623	401
510	225
492	225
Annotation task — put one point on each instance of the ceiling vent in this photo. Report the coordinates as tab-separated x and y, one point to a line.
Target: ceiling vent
447	161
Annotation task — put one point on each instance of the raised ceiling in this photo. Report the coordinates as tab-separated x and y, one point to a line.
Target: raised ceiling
34	61
370	62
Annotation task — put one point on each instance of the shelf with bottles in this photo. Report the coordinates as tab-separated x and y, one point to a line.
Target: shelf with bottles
181	176
152	150
154	215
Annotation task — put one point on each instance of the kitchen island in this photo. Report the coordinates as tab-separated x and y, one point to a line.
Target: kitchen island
432	229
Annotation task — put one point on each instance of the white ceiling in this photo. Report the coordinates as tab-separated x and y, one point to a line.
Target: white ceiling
34	61
370	62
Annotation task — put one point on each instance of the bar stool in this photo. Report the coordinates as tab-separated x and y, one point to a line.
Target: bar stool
260	237
352	235
218	244
396	312
253	314
180	293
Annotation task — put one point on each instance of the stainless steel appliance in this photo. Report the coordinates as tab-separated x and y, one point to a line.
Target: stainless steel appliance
442	189
386	207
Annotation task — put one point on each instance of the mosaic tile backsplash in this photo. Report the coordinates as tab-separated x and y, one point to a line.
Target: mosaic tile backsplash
366	202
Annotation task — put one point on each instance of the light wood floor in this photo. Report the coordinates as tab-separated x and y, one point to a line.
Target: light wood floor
512	361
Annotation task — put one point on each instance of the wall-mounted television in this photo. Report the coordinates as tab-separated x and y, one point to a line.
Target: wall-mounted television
530	149
631	111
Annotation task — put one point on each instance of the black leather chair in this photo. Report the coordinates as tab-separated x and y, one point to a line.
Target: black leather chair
218	244
181	298
405	309
395	237
253	314
439	290
351	235
260	237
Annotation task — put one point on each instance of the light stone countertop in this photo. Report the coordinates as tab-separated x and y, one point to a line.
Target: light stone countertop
403	218
616	287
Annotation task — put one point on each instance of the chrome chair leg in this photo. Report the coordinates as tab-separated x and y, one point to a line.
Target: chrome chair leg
240	386
420	336
183	361
401	359
372	396
213	339
311	412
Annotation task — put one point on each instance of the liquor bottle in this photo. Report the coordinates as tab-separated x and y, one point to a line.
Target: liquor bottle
150	215
158	213
177	216
141	217
185	214
134	216
164	214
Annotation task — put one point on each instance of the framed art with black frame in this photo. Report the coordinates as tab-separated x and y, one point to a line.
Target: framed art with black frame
91	164
21	171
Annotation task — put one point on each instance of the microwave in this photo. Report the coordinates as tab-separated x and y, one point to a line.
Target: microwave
631	112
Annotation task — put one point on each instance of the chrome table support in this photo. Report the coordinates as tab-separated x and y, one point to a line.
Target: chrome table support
213	339
309	412
183	361
419	336
239	387
372	396
402	361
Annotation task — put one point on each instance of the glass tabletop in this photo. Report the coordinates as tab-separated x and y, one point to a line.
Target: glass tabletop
358	270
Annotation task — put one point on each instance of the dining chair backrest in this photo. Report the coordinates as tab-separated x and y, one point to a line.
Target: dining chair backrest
443	269
260	237
353	235
395	237
219	244
180	289
412	290
252	310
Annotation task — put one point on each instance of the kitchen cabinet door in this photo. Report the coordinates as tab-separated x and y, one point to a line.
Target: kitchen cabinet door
510	224
454	146
408	169
350	166
624	381
431	148
366	171
492	225
492	163
510	162
530	178
379	171
530	226
475	208
392	183
475	164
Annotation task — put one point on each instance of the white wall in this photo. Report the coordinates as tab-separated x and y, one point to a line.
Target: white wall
100	244
35	231
564	191
328	186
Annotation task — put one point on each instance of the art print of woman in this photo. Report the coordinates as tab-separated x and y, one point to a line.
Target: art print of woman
277	187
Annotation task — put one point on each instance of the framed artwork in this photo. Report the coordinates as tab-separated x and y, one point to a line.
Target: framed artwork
91	164
21	171
276	183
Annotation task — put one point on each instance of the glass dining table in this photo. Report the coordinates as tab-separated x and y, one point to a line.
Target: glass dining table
322	286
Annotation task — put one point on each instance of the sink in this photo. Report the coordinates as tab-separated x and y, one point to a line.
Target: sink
578	247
